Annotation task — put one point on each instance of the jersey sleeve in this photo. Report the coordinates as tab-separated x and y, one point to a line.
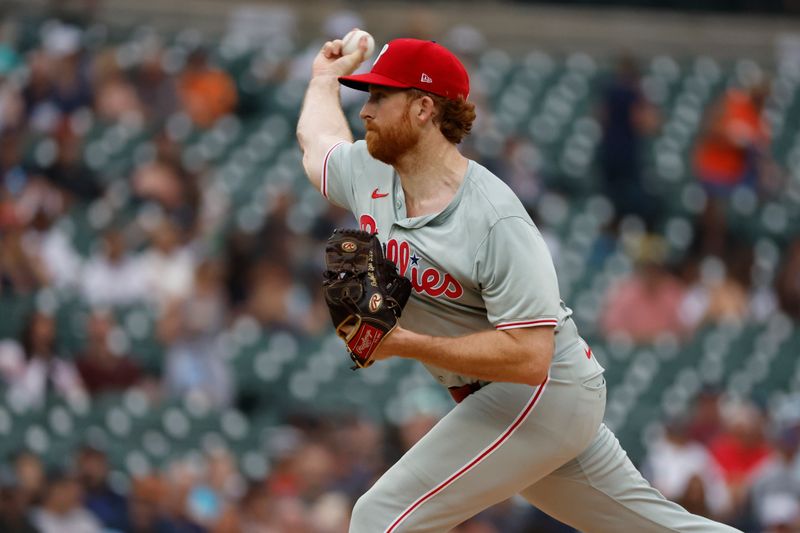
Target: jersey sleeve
338	177
516	276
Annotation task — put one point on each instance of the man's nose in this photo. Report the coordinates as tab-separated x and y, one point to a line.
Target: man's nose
366	112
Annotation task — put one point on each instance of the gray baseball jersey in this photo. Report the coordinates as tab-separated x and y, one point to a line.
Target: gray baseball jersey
481	264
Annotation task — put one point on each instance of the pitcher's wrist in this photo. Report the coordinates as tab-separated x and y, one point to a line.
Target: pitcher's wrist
325	79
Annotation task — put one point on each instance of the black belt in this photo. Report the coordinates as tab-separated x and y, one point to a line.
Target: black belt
459	393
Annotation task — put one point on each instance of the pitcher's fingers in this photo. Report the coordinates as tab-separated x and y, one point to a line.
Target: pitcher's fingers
357	56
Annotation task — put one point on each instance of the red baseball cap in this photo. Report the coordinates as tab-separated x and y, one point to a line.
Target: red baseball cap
412	63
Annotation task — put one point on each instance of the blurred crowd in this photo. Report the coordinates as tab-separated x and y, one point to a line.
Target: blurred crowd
732	461
161	243
319	468
724	460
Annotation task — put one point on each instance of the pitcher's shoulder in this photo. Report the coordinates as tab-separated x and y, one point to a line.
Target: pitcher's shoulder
492	198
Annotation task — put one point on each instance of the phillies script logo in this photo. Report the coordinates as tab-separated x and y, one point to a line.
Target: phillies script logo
430	281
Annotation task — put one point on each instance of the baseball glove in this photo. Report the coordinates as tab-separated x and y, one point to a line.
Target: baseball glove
364	292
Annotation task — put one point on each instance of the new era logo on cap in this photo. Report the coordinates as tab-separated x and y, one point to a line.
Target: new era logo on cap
413	63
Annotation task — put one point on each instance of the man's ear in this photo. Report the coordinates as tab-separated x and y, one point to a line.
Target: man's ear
426	110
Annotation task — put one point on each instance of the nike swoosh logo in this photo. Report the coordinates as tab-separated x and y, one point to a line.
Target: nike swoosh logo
376	194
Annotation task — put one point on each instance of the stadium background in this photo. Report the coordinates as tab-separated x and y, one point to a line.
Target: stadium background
167	363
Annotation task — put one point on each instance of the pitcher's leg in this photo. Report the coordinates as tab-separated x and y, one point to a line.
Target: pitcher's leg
601	491
492	445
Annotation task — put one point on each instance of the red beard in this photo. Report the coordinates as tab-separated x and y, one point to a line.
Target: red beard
390	143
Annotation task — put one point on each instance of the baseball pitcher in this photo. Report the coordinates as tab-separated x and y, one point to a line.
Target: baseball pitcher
484	313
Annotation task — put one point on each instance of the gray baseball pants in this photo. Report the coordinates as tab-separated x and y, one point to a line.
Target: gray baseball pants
546	443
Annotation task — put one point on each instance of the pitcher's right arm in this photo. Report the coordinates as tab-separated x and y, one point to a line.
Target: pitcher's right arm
322	122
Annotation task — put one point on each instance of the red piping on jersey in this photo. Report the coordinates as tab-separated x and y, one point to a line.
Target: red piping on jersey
475	461
323	186
540	322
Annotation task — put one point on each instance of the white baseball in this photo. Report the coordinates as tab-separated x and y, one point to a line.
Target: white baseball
351	40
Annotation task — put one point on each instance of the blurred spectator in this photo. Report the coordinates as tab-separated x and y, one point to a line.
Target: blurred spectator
256	510
741	449
211	499
30	478
652	291
787	281
626	118
144	514
291	515
316	318
149	509
189	329
694	498
732	141
305	472
730	152
251	256
780	476
13	510
71	87
270	286
20	272
206	93
69	172
40	371
167	267
180	477
683	470
112	276
61	510
12	106
101	368
238	261
194	363
719	291
39	207
729	299
781	514
314	469
13	174
205	309
359	447
705	419
156	89
330	513
167	183
108	506
116	99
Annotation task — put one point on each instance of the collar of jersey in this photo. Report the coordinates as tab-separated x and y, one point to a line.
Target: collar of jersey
434	219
